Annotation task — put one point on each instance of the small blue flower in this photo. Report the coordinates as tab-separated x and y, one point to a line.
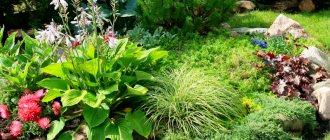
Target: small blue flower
261	43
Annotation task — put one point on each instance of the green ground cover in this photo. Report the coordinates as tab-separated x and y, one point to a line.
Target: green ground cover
316	24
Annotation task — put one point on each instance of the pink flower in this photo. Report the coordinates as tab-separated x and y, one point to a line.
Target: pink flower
39	94
15	128
44	123
29	112
56	107
27	99
4	113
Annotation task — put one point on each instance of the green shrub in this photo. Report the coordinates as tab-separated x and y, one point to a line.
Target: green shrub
190	101
143	37
191	15
278	119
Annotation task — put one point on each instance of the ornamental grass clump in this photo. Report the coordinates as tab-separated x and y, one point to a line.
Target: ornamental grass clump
190	101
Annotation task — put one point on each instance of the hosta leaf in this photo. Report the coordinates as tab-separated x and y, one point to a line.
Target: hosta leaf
51	95
72	97
120	130
141	75
98	133
95	116
91	66
139	123
54	69
54	83
56	128
137	90
92	100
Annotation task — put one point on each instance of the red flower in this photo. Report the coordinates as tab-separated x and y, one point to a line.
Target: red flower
15	128
285	58
270	55
30	112
39	94
4	113
44	123
27	99
56	107
75	44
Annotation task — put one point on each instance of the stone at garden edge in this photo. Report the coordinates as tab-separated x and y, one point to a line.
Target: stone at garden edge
307	6
318	57
244	5
322	93
283	26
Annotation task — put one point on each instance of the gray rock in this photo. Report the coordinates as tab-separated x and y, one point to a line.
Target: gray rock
322	93
245	30
318	57
284	25
244	5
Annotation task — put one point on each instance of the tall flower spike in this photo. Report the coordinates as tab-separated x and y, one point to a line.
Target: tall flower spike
59	3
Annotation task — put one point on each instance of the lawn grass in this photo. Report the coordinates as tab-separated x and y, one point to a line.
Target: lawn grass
316	24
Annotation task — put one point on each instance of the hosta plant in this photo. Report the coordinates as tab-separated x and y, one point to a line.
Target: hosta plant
96	76
293	75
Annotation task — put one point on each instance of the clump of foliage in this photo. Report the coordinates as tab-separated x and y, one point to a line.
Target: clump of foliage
278	119
198	15
189	101
143	37
293	76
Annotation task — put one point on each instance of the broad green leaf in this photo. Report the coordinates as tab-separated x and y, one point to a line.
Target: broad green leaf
109	90
56	127
141	75
72	97
95	116
92	100
91	51
139	123
146	53
7	62
11	78
137	90
66	136
10	42
29	43
23	74
54	83
91	66
156	55
98	133
54	69
51	95
120	130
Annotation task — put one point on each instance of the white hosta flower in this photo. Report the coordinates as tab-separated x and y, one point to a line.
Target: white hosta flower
69	40
112	42
51	34
83	19
59	3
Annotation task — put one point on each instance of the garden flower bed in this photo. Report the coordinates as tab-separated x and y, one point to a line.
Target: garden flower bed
88	76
